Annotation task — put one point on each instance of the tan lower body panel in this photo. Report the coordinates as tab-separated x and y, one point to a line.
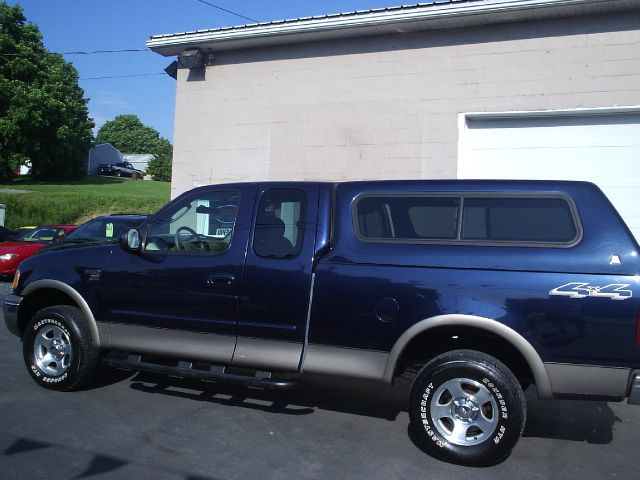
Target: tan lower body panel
588	379
347	362
175	343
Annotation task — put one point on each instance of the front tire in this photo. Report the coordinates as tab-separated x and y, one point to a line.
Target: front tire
467	408
58	350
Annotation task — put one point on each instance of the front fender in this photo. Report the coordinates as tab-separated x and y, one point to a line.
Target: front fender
74	295
74	272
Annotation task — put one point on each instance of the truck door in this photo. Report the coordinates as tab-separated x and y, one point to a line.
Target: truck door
277	279
180	295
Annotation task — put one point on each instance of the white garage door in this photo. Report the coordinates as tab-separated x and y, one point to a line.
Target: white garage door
603	149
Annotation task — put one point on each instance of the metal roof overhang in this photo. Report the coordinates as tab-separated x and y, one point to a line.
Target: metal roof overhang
453	14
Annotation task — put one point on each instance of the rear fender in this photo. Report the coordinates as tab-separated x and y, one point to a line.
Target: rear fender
543	384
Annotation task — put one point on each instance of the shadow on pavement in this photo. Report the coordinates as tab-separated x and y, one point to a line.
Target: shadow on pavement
574	420
97	464
355	397
106	376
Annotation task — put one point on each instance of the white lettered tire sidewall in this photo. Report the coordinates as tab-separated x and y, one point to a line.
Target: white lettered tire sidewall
83	357
498	381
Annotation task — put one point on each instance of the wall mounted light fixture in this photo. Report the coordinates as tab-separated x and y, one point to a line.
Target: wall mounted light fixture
191	59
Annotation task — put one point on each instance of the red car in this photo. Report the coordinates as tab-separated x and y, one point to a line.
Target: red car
15	251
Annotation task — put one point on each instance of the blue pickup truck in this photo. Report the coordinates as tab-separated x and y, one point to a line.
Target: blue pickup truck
473	290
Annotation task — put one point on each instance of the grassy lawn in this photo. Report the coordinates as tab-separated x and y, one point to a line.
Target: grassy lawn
77	202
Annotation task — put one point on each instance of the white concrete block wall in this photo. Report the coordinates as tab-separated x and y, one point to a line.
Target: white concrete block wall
387	107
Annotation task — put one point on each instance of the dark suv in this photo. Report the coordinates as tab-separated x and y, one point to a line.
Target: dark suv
122	169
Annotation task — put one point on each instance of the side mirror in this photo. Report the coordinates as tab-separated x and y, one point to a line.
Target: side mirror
130	240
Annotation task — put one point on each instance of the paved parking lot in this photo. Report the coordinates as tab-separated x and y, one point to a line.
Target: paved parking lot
143	426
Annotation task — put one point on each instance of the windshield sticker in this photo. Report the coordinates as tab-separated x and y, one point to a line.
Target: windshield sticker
614	291
109	230
222	232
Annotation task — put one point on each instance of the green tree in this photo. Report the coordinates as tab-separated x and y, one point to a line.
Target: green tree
160	168
43	113
129	135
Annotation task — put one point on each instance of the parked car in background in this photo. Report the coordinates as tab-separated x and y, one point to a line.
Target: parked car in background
107	228
122	169
6	234
18	232
13	252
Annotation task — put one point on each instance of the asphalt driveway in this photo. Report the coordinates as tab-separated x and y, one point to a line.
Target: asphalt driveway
142	426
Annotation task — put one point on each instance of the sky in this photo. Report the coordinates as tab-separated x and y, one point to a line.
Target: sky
89	25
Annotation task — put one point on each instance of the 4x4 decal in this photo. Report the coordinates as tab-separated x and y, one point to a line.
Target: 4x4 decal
614	291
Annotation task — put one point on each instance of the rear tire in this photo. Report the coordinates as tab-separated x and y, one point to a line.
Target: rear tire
467	408
58	350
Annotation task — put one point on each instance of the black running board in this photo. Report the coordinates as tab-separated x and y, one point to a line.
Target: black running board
218	373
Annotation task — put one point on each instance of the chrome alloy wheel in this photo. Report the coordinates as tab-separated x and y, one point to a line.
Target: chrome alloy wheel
52	350
464	411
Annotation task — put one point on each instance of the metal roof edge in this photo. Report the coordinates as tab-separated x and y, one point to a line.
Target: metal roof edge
433	15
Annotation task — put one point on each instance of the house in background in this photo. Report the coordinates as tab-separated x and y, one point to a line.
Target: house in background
105	153
25	169
533	89
102	153
139	161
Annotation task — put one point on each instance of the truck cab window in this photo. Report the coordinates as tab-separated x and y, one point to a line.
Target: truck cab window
280	221
201	224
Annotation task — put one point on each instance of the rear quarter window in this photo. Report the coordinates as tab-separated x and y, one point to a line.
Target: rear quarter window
520	220
408	217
